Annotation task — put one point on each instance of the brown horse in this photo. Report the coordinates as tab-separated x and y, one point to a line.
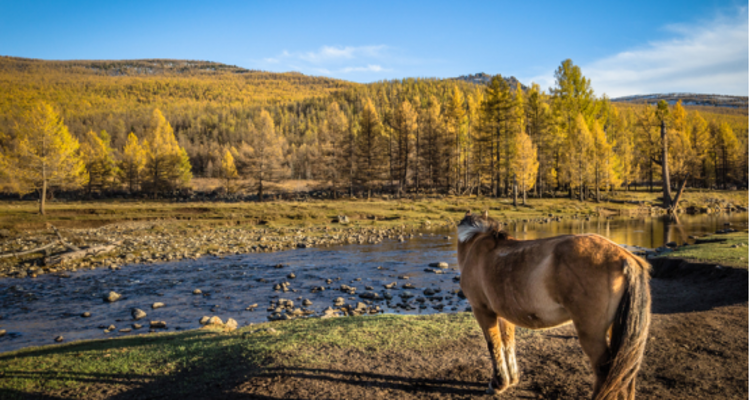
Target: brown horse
587	279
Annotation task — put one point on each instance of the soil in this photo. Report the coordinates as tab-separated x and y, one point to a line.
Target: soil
698	349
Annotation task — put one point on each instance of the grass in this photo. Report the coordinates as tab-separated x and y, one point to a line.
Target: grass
380	212
717	249
205	356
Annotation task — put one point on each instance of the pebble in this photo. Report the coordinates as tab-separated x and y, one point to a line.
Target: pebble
158	324
138	314
339	301
204	320
125	330
157	305
231	324
137	326
441	265
2	332
215	321
59	339
111	328
291	275
111	297
86	314
197	291
307	303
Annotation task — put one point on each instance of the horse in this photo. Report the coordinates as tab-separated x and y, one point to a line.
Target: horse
586	279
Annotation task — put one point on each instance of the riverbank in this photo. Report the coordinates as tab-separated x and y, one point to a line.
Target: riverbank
153	231
697	349
728	249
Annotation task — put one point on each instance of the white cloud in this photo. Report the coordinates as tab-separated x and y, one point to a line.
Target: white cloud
336	60
705	58
710	57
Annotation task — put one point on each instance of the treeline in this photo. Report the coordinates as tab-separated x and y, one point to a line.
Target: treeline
397	136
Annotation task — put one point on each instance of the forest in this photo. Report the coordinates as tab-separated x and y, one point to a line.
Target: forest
153	125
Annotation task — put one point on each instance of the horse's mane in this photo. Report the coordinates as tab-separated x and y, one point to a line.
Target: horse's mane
472	225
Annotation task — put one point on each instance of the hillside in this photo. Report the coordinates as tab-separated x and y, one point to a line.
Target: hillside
483	79
688	99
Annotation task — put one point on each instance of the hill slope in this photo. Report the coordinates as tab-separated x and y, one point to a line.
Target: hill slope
688	99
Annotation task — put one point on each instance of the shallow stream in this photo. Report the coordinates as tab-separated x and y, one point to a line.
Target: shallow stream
36	310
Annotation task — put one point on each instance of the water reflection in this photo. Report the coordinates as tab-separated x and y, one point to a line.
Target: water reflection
643	231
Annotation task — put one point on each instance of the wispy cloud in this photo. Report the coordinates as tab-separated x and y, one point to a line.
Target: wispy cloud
337	60
709	57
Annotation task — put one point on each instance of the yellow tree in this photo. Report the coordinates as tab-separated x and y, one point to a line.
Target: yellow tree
96	154
228	170
336	148
370	148
133	161
602	159
525	163
579	145
264	154
45	154
167	164
405	125
455	114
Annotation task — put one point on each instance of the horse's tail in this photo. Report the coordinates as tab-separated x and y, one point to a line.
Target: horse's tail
629	333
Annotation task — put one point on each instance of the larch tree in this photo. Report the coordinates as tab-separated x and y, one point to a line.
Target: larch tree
725	152
228	170
601	158
579	149
97	156
44	155
525	163
455	115
371	147
132	162
431	146
334	144
167	164
264	154
405	126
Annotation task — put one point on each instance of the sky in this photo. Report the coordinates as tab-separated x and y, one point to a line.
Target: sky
623	47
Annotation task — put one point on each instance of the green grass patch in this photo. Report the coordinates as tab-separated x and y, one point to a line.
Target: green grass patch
207	356
725	249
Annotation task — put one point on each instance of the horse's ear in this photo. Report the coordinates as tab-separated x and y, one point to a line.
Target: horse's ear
468	213
486	214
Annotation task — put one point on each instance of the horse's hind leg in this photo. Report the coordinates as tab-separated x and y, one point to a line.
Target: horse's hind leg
488	321
593	340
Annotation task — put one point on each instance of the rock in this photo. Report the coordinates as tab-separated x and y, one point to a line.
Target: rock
291	275
370	295
111	297
111	328
125	330
406	295
4	233
307	303
2	332
461	294
215	321
671	244
138	314
157	305
86	314
403	277
158	324
428	292
197	291
137	326
204	320
369	288
231	324
339	302
59	339
408	286
271	331
441	265
390	285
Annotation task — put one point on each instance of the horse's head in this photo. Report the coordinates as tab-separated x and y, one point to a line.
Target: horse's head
472	224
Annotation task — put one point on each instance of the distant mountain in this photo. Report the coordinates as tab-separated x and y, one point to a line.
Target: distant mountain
483	79
688	99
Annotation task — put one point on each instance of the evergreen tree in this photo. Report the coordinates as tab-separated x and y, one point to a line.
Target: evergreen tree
133	162
167	164
264	154
97	156
371	147
228	171
405	126
43	154
525	163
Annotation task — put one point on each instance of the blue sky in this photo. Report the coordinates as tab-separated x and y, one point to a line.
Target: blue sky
625	47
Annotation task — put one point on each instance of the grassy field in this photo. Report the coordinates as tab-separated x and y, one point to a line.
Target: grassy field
729	249
19	216
164	360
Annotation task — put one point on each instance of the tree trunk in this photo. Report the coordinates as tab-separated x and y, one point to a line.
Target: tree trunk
44	197
676	202
515	191
666	189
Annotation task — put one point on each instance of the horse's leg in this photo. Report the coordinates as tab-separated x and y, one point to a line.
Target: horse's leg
488	321
593	340
509	347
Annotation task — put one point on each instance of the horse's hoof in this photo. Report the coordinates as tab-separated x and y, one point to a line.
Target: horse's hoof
494	388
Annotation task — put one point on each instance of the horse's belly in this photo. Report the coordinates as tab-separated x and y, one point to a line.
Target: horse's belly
541	318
